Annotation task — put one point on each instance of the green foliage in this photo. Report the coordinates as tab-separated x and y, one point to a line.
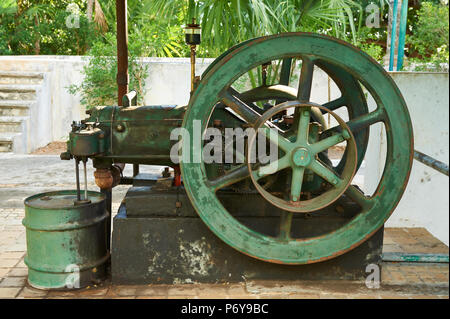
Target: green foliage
429	41
39	27
372	41
99	84
228	22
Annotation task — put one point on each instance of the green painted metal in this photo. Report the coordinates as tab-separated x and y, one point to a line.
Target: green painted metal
417	257
374	210
402	34
87	142
301	154
66	243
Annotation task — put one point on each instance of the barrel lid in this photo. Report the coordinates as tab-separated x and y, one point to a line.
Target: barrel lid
61	199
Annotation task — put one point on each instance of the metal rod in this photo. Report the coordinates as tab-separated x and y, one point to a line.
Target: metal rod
402	34
415	257
108	197
122	49
431	162
77	174
393	36
85	180
193	49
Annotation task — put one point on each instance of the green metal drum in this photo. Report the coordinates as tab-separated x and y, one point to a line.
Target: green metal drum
66	243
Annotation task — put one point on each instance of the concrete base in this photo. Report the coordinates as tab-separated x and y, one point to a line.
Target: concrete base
156	241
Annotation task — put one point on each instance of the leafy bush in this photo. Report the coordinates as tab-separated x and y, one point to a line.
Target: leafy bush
39	27
99	84
429	39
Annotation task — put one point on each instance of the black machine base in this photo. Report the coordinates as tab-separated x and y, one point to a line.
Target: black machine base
159	238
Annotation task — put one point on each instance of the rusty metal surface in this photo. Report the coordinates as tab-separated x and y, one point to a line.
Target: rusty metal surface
122	49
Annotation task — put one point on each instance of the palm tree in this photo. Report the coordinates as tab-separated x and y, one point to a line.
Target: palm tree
228	22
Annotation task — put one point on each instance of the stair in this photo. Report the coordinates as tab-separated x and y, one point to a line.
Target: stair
18	95
6	142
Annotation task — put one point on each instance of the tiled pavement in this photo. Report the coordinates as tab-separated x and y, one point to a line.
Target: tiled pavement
399	280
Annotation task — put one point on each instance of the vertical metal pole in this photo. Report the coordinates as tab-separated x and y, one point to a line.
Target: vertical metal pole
77	176
402	34
122	49
85	179
108	197
193	52
393	35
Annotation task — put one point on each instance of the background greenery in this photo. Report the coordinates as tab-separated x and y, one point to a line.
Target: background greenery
155	29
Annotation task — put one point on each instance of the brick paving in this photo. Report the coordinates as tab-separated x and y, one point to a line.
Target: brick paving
399	280
44	173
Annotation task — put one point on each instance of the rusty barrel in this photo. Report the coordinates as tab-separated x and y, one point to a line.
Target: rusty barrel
66	240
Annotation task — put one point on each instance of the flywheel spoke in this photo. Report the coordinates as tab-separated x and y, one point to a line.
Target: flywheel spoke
303	126
306	77
247	111
285	72
273	167
233	176
326	173
358	196
328	142
285	225
296	182
361	122
276	138
335	104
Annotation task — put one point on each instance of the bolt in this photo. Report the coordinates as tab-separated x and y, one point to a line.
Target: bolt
334	181
294	198
305	113
120	128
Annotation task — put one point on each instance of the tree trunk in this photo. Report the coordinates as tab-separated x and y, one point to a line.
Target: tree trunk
90	6
37	43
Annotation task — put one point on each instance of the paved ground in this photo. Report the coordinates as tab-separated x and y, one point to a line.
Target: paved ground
23	176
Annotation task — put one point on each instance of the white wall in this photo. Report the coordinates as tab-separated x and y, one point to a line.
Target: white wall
426	200
167	83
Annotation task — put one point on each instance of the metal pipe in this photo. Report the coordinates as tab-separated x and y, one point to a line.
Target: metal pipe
402	34
122	50
415	257
431	162
193	52
77	176
85	180
393	36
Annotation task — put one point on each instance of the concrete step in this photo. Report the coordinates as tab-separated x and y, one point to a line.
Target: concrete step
6	142
11	124
21	77
18	91
15	107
